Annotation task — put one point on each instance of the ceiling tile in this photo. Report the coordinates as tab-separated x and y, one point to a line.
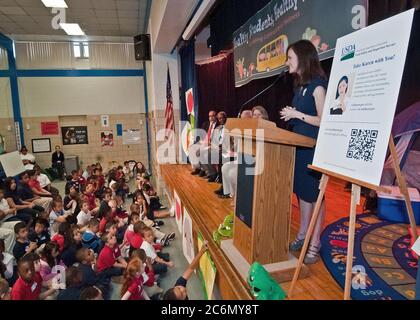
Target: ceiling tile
79	4
38	11
7	3
127	21
76	13
104	4
128	14
127	5
12	10
106	13
22	18
30	3
105	20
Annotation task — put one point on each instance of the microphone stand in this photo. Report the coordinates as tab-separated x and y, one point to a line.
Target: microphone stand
259	94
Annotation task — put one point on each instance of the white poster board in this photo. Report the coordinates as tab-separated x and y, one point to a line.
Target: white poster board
178	212
353	141
187	237
131	136
105	121
12	163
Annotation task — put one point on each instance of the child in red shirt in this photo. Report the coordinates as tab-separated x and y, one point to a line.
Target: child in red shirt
29	284
134	279
110	262
91	199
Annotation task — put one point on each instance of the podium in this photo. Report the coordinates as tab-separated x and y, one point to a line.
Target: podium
264	201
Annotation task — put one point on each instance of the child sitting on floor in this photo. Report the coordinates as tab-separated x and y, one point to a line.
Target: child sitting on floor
110	262
22	246
91	199
160	261
57	216
150	286
71	201
134	279
89	238
40	233
49	259
29	284
84	217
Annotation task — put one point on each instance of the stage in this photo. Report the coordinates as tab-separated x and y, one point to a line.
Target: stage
208	211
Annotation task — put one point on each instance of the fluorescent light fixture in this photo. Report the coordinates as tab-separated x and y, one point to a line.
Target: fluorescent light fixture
55	3
72	29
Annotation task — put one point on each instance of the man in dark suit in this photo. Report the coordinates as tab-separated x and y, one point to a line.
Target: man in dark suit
202	141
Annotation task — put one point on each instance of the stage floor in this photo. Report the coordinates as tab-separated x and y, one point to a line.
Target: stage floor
319	285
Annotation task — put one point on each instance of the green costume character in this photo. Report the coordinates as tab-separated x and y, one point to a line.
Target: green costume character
226	229
263	286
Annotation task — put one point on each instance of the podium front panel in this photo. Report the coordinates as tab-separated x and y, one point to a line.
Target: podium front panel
245	192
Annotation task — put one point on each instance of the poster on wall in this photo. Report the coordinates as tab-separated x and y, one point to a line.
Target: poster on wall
107	139
74	135
260	44
41	145
207	271
187	237
131	136
49	128
187	136
178	211
105	121
361	99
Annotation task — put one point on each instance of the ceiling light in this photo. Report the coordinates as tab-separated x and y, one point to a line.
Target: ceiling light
72	29
55	3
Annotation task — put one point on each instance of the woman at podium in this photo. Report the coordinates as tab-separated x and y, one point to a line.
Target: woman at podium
305	117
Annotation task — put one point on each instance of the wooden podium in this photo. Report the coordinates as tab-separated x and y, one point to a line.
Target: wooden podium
264	201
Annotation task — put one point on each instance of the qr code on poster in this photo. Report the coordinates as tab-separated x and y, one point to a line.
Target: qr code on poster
362	144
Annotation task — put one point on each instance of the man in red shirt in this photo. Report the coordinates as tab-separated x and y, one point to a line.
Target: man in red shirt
110	262
29	284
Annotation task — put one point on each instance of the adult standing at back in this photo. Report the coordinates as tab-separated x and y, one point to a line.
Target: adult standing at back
57	160
305	117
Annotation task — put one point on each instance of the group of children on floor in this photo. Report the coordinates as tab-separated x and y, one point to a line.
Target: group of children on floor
72	248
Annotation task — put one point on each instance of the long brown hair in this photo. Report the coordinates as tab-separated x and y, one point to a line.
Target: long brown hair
309	66
133	267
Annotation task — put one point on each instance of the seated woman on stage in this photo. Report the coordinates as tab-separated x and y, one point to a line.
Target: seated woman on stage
305	117
259	112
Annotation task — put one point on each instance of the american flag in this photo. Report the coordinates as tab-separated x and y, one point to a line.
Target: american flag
169	111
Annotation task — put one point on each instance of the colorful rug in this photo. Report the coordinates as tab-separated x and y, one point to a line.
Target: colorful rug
383	267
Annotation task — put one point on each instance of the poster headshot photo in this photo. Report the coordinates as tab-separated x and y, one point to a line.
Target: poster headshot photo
342	98
107	138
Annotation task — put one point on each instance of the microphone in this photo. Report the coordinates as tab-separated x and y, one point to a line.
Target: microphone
282	72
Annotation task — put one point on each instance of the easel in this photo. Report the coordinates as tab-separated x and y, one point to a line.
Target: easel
355	200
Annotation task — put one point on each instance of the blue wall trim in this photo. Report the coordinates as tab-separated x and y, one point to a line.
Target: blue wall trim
79	73
4	73
7	44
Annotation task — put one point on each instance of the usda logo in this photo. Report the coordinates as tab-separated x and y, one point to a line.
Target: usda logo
348	52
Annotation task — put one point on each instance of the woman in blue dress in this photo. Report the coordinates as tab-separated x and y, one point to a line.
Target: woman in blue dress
305	117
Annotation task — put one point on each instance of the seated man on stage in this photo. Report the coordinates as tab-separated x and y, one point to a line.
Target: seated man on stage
201	144
212	159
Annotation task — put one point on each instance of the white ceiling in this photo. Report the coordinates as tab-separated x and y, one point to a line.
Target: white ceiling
104	18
